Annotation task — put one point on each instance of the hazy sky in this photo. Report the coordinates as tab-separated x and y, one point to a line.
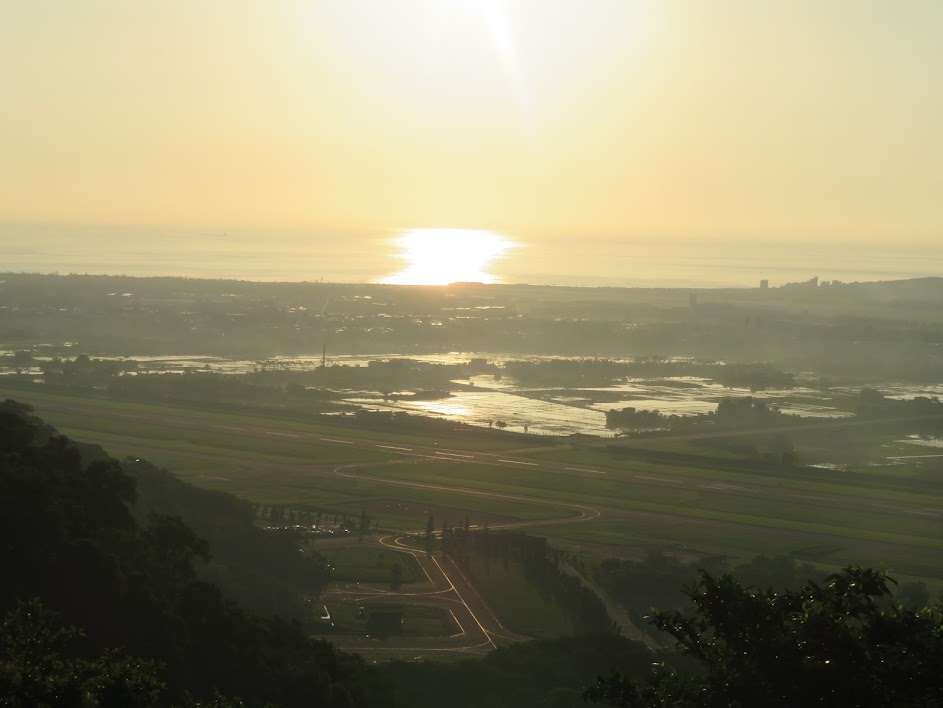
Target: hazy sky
811	119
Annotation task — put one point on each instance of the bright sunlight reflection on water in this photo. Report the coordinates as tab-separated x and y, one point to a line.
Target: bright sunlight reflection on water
443	256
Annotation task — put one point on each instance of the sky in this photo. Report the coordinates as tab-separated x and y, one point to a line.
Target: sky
622	119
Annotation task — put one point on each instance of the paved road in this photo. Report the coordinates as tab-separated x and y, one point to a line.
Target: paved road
445	588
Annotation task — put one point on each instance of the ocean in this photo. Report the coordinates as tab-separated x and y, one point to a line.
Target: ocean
298	255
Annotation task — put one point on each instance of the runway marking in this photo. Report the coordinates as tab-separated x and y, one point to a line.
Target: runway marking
516	462
394	447
403	548
452	612
658	479
282	435
906	510
335	440
719	486
806	496
455	454
462	599
579	469
229	427
467	650
480	599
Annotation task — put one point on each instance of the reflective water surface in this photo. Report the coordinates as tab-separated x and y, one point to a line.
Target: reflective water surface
545	411
443	256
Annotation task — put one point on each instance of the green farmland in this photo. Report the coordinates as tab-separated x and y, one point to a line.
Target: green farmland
369	564
637	503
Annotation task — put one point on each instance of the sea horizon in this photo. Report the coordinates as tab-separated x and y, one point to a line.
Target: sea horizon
283	255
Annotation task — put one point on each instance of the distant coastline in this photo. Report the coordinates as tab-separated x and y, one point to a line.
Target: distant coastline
299	256
919	286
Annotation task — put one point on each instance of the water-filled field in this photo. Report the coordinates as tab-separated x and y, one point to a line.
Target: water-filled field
490	400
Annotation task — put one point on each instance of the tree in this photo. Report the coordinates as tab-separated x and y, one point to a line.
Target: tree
70	541
914	595
842	643
444	538
396	577
430	528
35	670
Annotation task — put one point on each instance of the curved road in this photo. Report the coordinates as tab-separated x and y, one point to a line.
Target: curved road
478	630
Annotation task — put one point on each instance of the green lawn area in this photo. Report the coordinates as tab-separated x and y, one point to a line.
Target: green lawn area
518	604
275	470
418	621
369	564
708	521
279	460
740	544
860	522
141	441
897	482
107	414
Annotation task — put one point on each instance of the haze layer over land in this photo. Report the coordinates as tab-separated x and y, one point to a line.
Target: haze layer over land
391	353
609	133
297	255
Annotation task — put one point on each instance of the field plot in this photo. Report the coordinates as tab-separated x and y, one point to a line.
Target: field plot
410	511
369	564
722	519
875	478
353	618
755	505
521	607
677	494
51	403
436	613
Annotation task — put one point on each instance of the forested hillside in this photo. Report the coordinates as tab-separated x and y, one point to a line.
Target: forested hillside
72	541
263	572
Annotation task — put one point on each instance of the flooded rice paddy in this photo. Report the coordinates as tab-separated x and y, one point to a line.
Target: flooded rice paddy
495	400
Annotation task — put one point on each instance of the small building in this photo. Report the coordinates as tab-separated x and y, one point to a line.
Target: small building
385	620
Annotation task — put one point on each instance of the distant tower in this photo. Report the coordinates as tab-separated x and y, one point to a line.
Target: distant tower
324	355
764	284
692	299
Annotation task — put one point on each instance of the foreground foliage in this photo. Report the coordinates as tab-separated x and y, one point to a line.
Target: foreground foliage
36	670
71	541
842	643
546	674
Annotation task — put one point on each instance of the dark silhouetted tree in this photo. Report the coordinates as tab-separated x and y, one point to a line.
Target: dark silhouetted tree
841	644
396	577
37	670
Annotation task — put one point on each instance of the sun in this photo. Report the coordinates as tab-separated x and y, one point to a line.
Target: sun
443	256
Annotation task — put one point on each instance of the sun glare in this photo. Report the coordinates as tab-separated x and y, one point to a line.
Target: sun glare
443	256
